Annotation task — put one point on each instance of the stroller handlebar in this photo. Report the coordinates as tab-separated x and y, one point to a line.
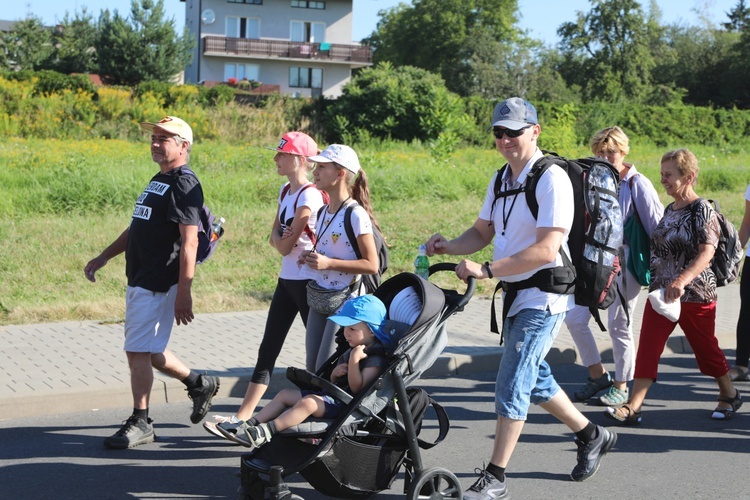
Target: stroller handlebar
471	284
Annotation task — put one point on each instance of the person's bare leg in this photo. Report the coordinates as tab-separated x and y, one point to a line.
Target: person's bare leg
141	378
253	394
565	411
168	364
726	389
596	370
507	433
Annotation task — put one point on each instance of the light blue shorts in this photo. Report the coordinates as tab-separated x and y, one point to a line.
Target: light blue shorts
524	377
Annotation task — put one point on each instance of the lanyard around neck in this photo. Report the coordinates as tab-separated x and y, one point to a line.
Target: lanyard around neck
329	223
506	215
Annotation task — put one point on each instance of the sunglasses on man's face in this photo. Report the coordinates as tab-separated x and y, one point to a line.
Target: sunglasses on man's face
499	132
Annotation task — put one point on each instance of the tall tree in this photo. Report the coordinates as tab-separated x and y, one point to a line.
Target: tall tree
442	29
739	17
143	47
609	51
75	42
495	70
27	46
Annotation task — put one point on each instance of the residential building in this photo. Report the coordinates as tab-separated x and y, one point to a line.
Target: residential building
304	47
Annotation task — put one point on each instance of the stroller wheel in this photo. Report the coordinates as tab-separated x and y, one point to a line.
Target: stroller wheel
435	483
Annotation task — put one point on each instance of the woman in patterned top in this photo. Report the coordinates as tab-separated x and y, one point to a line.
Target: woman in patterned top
682	246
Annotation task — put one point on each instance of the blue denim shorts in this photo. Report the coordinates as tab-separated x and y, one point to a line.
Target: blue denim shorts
524	377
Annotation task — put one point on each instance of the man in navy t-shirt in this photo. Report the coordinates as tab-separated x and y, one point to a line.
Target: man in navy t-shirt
160	249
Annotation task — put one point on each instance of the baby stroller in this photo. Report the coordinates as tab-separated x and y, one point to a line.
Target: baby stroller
360	452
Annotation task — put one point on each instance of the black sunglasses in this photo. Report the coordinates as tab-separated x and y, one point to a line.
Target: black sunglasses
498	132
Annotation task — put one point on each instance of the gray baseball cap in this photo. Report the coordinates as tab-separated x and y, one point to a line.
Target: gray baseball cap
514	114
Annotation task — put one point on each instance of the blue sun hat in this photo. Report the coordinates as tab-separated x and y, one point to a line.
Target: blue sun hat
367	309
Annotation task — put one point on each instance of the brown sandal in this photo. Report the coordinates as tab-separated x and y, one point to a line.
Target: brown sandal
727	413
625	414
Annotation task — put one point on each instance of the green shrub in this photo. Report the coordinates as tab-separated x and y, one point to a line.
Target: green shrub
403	103
216	96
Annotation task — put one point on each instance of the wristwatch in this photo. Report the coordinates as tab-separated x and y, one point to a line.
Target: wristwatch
487	268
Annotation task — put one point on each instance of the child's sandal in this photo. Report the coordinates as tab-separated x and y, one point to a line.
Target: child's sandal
727	413
625	414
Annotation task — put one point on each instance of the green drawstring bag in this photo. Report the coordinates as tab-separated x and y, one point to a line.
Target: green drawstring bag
639	259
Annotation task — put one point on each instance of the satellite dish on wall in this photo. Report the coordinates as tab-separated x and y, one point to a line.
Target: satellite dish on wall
208	16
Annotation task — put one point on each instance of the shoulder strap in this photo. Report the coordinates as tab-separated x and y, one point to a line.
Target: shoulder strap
443	423
350	230
299	193
285	190
635	207
532	180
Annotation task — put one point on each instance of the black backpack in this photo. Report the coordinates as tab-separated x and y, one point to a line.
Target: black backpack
595	238
207	239
728	256
370	281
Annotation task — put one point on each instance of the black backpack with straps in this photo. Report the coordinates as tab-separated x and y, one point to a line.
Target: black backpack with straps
370	281
594	241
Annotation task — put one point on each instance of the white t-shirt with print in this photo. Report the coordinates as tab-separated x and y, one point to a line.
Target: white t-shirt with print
513	216
310	198
334	243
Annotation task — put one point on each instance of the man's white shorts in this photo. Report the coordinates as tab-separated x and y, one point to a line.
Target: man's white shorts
149	317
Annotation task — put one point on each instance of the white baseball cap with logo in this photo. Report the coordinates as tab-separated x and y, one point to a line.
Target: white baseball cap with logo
171	125
338	153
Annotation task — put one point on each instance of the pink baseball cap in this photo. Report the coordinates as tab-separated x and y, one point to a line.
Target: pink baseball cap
296	143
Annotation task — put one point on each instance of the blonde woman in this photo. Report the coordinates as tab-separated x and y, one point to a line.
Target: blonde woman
637	198
292	233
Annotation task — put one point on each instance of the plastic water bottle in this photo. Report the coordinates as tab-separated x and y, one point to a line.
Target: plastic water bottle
422	263
217	229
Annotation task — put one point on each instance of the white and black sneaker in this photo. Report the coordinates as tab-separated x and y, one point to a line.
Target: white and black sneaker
487	487
255	436
134	431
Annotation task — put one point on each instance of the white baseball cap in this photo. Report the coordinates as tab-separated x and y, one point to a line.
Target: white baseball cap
338	153
171	125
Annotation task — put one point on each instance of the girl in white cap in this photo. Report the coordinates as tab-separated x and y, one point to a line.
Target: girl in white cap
293	231
333	262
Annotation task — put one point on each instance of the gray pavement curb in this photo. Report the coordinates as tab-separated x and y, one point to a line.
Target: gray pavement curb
69	367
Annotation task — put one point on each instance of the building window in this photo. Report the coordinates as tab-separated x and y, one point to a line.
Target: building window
243	27
242	72
303	31
253	2
309	78
304	4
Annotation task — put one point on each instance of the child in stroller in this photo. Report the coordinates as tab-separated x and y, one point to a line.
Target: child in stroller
360	452
362	318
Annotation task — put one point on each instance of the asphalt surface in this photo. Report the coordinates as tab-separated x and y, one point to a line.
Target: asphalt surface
58	368
677	453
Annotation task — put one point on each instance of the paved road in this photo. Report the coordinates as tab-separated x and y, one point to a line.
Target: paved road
70	367
677	453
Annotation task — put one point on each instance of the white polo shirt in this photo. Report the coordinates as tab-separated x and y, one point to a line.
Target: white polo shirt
515	228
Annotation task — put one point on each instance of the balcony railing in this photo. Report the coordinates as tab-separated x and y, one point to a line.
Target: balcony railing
292	50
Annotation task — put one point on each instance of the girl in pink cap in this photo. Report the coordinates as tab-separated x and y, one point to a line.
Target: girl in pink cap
293	232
